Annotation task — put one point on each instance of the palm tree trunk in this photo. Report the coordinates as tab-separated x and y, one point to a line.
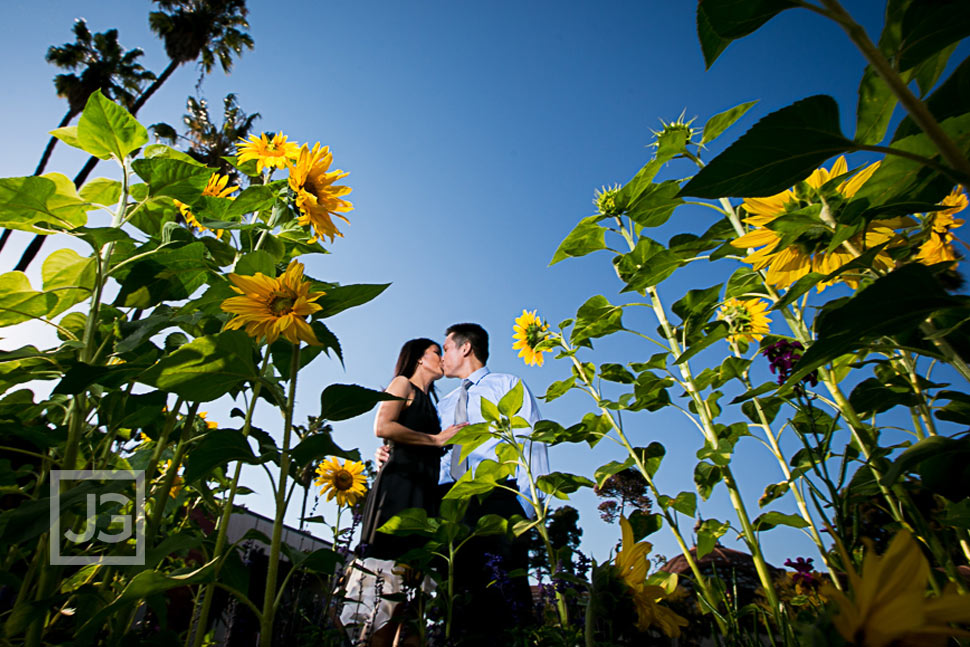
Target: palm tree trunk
53	142
41	165
150	90
34	247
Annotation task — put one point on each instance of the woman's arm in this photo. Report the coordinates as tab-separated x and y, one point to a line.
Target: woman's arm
386	423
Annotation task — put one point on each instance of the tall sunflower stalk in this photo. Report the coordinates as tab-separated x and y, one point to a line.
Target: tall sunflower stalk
901	508
269	308
775	449
80	407
272	597
705	417
536	340
195	638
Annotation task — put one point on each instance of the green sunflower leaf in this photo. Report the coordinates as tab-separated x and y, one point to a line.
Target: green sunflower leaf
342	297
723	120
896	303
721	21
707	535
772	518
206	368
217	448
345	401
173	178
929	27
317	447
596	318
19	302
69	276
41	205
105	129
758	165
585	238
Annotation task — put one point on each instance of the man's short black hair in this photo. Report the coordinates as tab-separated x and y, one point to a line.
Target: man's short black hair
473	334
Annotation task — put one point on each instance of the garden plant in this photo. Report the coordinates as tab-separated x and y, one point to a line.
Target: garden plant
835	347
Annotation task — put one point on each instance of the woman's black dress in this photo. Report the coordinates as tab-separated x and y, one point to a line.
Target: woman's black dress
409	479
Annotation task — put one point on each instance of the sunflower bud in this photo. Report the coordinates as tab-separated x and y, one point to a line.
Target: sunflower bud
674	136
605	201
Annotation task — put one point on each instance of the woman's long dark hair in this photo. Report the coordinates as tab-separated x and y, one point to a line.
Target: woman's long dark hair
407	361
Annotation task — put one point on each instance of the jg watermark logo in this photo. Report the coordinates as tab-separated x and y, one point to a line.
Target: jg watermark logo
100	513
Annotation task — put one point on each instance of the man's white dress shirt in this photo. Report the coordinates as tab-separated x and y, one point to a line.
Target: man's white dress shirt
493	386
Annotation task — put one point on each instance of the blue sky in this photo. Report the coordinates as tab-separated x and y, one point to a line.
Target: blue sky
475	135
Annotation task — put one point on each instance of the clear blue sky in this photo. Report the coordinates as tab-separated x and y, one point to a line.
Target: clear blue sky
475	135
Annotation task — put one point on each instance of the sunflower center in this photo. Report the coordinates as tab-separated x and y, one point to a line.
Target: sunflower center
281	304
343	480
738	317
535	334
312	186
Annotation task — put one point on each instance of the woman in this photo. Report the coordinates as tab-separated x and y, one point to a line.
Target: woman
409	479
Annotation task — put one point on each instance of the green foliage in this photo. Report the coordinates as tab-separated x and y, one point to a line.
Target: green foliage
345	401
755	166
166	330
107	130
895	303
41	205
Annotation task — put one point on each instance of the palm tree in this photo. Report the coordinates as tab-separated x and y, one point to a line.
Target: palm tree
107	67
209	144
203	30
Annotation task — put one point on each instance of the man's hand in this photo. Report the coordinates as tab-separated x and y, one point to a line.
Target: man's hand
382	455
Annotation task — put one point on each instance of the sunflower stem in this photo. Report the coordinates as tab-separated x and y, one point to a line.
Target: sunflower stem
700	579
761	566
223	522
269	597
710	435
161	494
792	487
917	109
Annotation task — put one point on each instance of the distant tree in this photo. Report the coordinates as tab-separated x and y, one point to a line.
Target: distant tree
208	143
106	67
564	537
103	65
203	30
625	488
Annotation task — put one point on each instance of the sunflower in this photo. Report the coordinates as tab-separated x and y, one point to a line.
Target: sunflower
176	484
216	188
317	196
889	603
938	248
344	481
746	319
529	332
785	265
209	424
630	565
268	153
272	307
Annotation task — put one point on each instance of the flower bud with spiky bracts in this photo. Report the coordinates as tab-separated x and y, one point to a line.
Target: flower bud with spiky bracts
604	200
674	136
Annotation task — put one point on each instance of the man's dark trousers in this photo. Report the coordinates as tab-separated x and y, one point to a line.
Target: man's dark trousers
488	601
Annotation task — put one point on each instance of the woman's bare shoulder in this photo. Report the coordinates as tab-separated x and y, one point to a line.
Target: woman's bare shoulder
400	386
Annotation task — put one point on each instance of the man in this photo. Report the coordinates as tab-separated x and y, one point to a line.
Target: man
488	602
